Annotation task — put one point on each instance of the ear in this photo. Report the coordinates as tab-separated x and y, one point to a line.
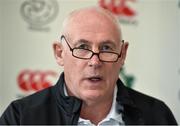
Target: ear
58	53
124	52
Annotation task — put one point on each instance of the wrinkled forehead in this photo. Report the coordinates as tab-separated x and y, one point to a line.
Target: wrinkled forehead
92	20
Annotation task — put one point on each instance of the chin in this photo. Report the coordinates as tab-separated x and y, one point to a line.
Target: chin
92	95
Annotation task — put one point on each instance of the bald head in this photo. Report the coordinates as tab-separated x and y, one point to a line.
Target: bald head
94	18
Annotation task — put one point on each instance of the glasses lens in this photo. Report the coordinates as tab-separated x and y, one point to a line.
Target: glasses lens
82	53
108	56
87	54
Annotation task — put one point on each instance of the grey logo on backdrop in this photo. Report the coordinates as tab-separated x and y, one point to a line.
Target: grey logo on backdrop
39	13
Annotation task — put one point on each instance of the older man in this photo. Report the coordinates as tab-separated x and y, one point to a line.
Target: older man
89	91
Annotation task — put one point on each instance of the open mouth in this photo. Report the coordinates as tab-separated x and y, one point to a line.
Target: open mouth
95	78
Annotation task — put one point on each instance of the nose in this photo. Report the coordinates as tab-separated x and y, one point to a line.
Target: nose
94	61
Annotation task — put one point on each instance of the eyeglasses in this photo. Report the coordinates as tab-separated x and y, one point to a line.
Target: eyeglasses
104	56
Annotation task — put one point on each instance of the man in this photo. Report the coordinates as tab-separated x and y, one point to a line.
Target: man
89	91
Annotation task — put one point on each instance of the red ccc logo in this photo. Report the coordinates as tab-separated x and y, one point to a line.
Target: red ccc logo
35	80
118	7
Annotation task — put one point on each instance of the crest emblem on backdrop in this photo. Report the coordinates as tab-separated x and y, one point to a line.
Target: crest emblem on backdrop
39	13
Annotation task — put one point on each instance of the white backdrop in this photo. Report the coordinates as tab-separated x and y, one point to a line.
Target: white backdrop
0	58
153	56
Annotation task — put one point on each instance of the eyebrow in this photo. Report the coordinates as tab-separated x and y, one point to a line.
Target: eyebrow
109	42
82	41
102	42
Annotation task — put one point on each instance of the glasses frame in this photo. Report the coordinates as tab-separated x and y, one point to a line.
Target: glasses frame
93	53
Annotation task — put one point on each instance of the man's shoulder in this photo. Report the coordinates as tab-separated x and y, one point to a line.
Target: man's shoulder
130	95
142	98
147	103
32	109
37	99
150	110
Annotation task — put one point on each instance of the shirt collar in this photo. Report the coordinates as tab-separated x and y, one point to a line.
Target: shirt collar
65	90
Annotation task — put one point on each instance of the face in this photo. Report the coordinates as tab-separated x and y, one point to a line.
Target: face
91	80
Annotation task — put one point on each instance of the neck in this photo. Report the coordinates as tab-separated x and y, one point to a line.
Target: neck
97	111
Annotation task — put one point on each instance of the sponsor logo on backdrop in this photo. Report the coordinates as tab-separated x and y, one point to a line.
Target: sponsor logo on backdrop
31	81
39	13
125	13
128	79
